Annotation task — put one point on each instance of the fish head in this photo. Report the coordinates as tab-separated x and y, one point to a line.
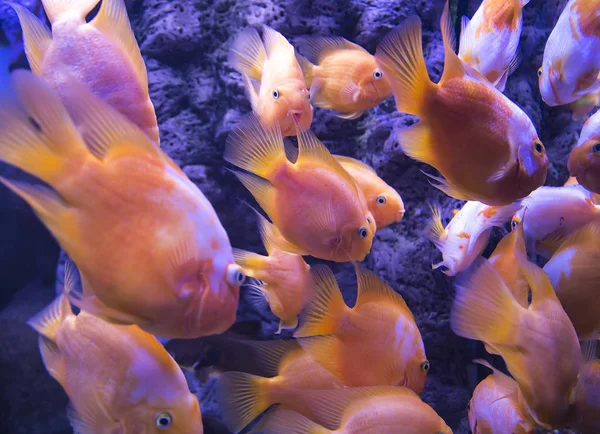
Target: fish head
387	207
416	374
532	164
288	103
372	82
357	239
180	415
584	164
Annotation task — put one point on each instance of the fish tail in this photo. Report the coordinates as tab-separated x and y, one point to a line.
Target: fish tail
326	309
400	55
247	54
435	229
484	308
307	69
287	421
58	9
249	261
242	398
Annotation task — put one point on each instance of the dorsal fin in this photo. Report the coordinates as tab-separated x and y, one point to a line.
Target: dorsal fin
453	66
508	385
275	41
589	350
316	48
36	37
372	289
354	162
247	54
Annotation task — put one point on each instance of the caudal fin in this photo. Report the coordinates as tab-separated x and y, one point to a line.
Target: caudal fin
61	9
279	421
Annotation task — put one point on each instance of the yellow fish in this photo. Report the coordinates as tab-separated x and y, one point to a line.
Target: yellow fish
584	160
273	79
149	245
102	53
489	41
538	343
484	146
364	410
314	203
287	283
375	343
343	76
118	377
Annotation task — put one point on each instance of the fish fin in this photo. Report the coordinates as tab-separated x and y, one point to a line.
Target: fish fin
255	147
435	229
446	187
348	116
589	350
349	161
583	106
274	40
372	289
272	238
350	93
112	20
291	152
467	36
326	308
270	355
87	421
400	55
47	322
415	142
93	305
500	215
288	324
37	133
316	48
52	358
524	2
252	90
257	295
586	235
550	244
279	420
484	308
501	173
325	350
317	96
36	37
507	385
538	281
307	69
500	83
515	63
453	66
249	261
247	54
57	9
261	189
242	398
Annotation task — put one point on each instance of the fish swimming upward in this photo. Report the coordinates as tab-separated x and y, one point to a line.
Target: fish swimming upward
149	245
489	42
584	160
119	378
102	53
484	146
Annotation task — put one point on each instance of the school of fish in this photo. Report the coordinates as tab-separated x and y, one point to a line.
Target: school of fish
149	257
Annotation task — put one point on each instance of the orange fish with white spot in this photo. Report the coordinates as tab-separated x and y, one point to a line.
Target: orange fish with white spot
538	343
490	40
314	203
287	283
243	397
467	234
273	79
343	76
103	54
118	377
495	408
584	160
149	245
571	63
377	342
364	410
484	146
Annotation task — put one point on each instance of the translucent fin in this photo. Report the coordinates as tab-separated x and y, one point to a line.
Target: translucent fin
275	41
326	351
316	48
52	358
247	54
467	36
415	142
453	66
372	289
62	9
307	69
261	189
589	350
272	238
47	322
352	162
278	421
249	261
36	37
435	229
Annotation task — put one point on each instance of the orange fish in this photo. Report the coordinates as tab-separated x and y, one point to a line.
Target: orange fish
575	275
118	377
489	41
243	397
584	160
287	283
484	146
538	343
273	79
343	76
494	407
314	203
101	53
365	410
375	343
586	419
383	201
149	245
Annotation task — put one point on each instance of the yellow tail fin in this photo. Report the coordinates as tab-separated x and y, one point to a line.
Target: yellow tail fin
61	9
247	54
251	262
279	421
242	398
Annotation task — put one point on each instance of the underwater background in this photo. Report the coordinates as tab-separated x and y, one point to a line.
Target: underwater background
199	99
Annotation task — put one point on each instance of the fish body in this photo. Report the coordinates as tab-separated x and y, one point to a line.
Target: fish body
149	245
467	234
584	160
587	399
343	76
484	145
102	53
314	203
571	63
273	79
489	41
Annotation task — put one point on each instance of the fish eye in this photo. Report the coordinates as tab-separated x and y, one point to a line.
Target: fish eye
363	232
381	200
596	148
275	94
539	148
425	366
539	73
235	275
515	222
377	74
163	420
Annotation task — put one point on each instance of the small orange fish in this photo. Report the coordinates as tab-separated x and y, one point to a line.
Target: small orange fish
118	377
273	79
149	245
243	397
586	419
484	146
584	160
314	203
495	408
365	410
287	283
375	343
343	76
575	275
103	54
489	42
383	201
538	343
